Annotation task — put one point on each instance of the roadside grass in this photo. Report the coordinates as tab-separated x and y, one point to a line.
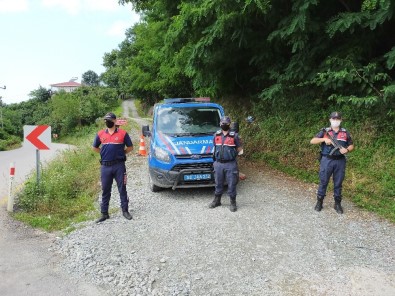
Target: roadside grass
66	191
282	140
12	142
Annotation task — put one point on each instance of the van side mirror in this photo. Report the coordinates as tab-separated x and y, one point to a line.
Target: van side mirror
145	131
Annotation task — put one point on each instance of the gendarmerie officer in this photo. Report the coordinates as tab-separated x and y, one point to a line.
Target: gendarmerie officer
333	160
227	146
113	156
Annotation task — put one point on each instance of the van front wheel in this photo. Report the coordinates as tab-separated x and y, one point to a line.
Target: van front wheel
152	186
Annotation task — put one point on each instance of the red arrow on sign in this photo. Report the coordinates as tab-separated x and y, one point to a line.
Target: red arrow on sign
33	137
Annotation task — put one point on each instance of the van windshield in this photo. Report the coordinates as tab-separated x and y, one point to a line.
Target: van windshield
188	121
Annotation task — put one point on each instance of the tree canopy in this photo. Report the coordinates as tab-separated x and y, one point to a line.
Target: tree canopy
261	50
90	78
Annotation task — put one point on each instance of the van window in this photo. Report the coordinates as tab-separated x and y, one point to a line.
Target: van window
188	121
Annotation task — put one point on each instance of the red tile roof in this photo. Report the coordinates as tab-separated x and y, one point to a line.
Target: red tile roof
66	84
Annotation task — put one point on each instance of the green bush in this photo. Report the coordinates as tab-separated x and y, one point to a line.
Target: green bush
10	142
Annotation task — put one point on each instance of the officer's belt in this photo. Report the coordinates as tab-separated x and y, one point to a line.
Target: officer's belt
225	161
334	156
110	163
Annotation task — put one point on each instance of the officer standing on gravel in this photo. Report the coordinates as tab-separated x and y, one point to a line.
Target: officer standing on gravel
227	146
333	160
113	156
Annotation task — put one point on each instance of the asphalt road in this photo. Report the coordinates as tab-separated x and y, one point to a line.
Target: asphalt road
27	265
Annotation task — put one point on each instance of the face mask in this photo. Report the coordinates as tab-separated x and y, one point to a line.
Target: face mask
335	122
109	124
225	127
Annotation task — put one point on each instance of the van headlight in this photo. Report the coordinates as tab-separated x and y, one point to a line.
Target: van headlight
161	154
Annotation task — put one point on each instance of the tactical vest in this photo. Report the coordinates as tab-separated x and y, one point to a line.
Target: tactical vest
342	138
112	145
225	146
116	138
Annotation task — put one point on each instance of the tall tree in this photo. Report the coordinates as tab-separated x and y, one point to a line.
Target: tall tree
40	94
90	78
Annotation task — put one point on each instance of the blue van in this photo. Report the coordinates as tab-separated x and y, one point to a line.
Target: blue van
181	147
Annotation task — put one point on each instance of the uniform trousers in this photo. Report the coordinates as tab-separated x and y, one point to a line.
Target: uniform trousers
108	174
332	167
228	172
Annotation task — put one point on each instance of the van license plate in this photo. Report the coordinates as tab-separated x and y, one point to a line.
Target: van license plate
196	177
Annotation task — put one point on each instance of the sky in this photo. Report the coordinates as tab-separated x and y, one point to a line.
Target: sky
43	42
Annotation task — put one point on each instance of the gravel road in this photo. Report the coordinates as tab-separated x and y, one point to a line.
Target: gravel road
275	244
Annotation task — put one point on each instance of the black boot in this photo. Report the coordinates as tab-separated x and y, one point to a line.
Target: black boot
233	206
338	207
104	216
127	215
216	202
318	206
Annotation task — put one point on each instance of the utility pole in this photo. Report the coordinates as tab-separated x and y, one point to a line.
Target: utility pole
1	112
1	108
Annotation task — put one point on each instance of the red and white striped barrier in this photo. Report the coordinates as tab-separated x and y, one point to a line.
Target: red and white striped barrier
10	205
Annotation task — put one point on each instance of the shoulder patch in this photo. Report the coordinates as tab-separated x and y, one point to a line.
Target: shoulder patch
232	134
343	129
218	132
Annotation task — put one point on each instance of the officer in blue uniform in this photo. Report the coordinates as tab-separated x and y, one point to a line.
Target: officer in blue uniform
333	160
227	146
113	156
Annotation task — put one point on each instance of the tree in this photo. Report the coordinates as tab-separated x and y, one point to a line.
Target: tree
80	107
90	78
293	52
40	94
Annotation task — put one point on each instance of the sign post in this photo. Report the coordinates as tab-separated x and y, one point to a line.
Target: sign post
31	135
38	166
10	204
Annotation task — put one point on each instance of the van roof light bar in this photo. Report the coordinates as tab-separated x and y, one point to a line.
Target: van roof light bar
179	100
186	100
203	99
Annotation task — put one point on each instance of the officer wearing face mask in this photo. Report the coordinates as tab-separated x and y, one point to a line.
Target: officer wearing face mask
227	146
333	160
115	144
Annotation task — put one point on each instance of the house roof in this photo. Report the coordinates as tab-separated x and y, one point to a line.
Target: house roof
66	84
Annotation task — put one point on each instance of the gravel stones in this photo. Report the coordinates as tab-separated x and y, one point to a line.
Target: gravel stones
275	244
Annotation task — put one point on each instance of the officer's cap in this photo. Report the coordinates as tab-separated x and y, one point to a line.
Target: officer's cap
336	115
110	116
225	120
